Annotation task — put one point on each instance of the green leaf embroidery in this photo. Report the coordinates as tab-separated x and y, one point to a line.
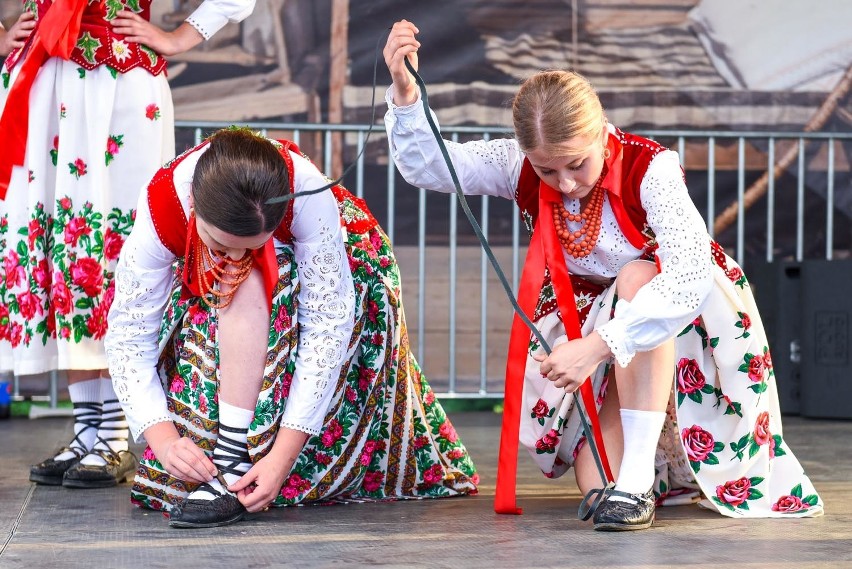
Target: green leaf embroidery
89	45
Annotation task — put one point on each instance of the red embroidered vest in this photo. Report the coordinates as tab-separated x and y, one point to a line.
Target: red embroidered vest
622	185
97	43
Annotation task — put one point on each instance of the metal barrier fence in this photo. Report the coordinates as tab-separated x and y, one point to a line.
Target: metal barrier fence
463	353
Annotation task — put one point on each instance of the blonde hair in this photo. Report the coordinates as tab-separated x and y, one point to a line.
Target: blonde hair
552	107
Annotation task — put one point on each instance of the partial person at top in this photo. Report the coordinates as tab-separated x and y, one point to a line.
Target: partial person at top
87	119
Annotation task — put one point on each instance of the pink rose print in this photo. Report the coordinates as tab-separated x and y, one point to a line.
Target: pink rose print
16	334
433	475
429	398
420	441
15	273
65	203
114	143
447	431
177	385
41	275
332	433
88	274
734	274
689	377
61	296
4	322
112	244
148	454
373	480
54	152
699	444
76	228
745	323
761	429
29	305
756	369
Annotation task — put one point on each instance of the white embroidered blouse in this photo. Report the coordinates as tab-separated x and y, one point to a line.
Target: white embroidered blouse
144	279
661	308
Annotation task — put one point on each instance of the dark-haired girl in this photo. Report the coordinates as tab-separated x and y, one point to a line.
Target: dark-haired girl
270	337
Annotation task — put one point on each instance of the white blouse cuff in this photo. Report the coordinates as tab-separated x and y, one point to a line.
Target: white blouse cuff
211	16
614	333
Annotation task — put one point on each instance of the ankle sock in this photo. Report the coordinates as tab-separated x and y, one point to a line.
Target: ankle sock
113	432
86	398
230	455
641	434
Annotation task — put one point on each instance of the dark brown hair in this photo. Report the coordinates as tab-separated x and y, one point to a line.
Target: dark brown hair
233	180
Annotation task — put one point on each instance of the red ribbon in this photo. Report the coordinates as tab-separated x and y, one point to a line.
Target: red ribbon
54	36
544	252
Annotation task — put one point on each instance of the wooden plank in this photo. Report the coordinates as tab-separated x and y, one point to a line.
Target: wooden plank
222	105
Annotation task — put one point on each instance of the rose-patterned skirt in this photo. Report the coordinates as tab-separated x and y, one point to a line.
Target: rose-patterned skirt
385	435
95	139
722	442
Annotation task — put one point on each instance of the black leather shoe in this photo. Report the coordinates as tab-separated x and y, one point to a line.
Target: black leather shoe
222	510
119	466
51	471
616	515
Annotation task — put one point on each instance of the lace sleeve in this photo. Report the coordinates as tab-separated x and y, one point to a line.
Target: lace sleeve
143	280
483	167
326	302
674	297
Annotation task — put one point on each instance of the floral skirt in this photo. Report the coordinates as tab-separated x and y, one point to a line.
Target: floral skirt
95	139
722	440
385	435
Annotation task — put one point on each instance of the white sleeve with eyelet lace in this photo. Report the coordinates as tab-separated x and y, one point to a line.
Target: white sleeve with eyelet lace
489	168
326	301
143	280
212	15
673	298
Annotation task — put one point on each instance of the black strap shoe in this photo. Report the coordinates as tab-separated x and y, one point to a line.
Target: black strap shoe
51	471
119	466
618	515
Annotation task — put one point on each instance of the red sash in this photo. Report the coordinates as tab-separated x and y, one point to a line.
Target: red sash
55	36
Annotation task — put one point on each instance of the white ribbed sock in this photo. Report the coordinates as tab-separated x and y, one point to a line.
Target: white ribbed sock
86	398
113	432
231	446
641	434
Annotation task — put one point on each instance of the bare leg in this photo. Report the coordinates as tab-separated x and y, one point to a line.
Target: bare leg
243	339
585	468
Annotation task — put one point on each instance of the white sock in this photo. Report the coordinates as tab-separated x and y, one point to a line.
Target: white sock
641	434
86	398
113	432
231	450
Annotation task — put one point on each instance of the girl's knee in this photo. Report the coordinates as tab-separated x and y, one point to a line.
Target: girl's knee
633	276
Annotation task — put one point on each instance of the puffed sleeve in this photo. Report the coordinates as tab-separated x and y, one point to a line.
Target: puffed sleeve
673	298
212	15
490	167
143	280
326	301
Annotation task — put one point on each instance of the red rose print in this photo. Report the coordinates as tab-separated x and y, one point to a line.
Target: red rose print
35	232
756	368
29	305
735	274
433	475
152	112
698	443
761	429
548	442
4	322
15	273
41	275
541	409
332	433
96	323
734	492
788	504
689	376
